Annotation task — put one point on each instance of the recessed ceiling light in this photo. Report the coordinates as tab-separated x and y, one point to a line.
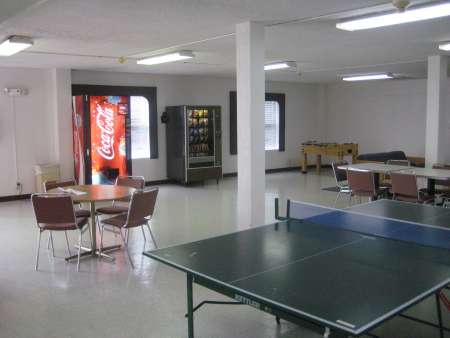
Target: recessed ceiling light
291	65
445	46
367	77
426	12
169	57
15	44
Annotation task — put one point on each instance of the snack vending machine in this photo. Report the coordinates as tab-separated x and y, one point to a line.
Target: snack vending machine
101	138
194	143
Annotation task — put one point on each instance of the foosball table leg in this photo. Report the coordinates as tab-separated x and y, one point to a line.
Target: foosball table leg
318	163
304	163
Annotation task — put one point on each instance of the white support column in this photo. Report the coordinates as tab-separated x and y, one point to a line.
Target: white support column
250	123
437	120
61	102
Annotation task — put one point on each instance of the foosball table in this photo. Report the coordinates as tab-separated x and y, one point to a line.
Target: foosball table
338	150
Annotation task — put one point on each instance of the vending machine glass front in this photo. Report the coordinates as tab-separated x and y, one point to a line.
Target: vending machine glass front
108	137
201	137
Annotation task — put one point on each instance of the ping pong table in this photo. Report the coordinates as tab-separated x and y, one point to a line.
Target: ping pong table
339	272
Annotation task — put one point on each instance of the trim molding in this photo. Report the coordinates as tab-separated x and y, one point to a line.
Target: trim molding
159	182
269	171
15	198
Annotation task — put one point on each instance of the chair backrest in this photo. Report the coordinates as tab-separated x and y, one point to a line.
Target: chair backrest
406	163
404	187
142	206
339	174
442	166
49	185
137	182
361	183
53	208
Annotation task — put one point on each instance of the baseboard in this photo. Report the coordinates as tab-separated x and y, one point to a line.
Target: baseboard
15	198
159	182
268	171
234	174
280	170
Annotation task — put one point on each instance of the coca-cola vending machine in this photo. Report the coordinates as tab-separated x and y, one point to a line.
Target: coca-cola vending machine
101	138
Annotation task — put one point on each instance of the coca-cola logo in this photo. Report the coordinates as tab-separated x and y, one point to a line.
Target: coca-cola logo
105	122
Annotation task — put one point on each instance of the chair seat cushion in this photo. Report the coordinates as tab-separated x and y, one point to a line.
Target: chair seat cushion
82	213
112	210
81	222
120	221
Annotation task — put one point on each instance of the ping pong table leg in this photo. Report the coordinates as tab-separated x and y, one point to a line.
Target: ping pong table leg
439	313
190	306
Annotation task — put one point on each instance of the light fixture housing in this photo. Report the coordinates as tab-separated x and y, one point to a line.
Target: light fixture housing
169	57
368	77
289	65
413	14
445	46
14	44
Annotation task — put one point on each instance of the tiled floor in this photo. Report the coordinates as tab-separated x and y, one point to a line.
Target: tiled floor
111	300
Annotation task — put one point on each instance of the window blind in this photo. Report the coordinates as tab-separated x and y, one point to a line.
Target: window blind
272	125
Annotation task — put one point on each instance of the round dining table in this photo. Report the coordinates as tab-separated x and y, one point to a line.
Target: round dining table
91	194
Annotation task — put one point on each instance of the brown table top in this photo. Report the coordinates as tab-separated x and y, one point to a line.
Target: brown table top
98	192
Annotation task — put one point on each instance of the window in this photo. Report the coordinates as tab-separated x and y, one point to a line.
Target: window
272	125
274	119
140	127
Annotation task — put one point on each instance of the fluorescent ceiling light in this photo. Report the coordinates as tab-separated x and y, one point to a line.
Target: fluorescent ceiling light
414	14
15	44
281	65
445	46
367	77
170	57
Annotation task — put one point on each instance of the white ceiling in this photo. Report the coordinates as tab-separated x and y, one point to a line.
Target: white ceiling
93	34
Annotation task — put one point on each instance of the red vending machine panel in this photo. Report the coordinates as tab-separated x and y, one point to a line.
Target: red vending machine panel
108	137
78	138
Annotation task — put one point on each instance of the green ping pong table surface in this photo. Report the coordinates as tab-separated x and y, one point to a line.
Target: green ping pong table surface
340	272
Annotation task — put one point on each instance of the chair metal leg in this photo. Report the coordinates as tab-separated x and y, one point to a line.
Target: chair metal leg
143	233
350	200
67	242
98	223
102	229
125	243
151	235
337	197
80	238
90	235
50	243
37	250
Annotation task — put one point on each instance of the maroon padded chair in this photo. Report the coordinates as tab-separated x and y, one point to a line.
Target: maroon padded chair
55	212
140	212
404	188
362	184
79	212
49	185
137	182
